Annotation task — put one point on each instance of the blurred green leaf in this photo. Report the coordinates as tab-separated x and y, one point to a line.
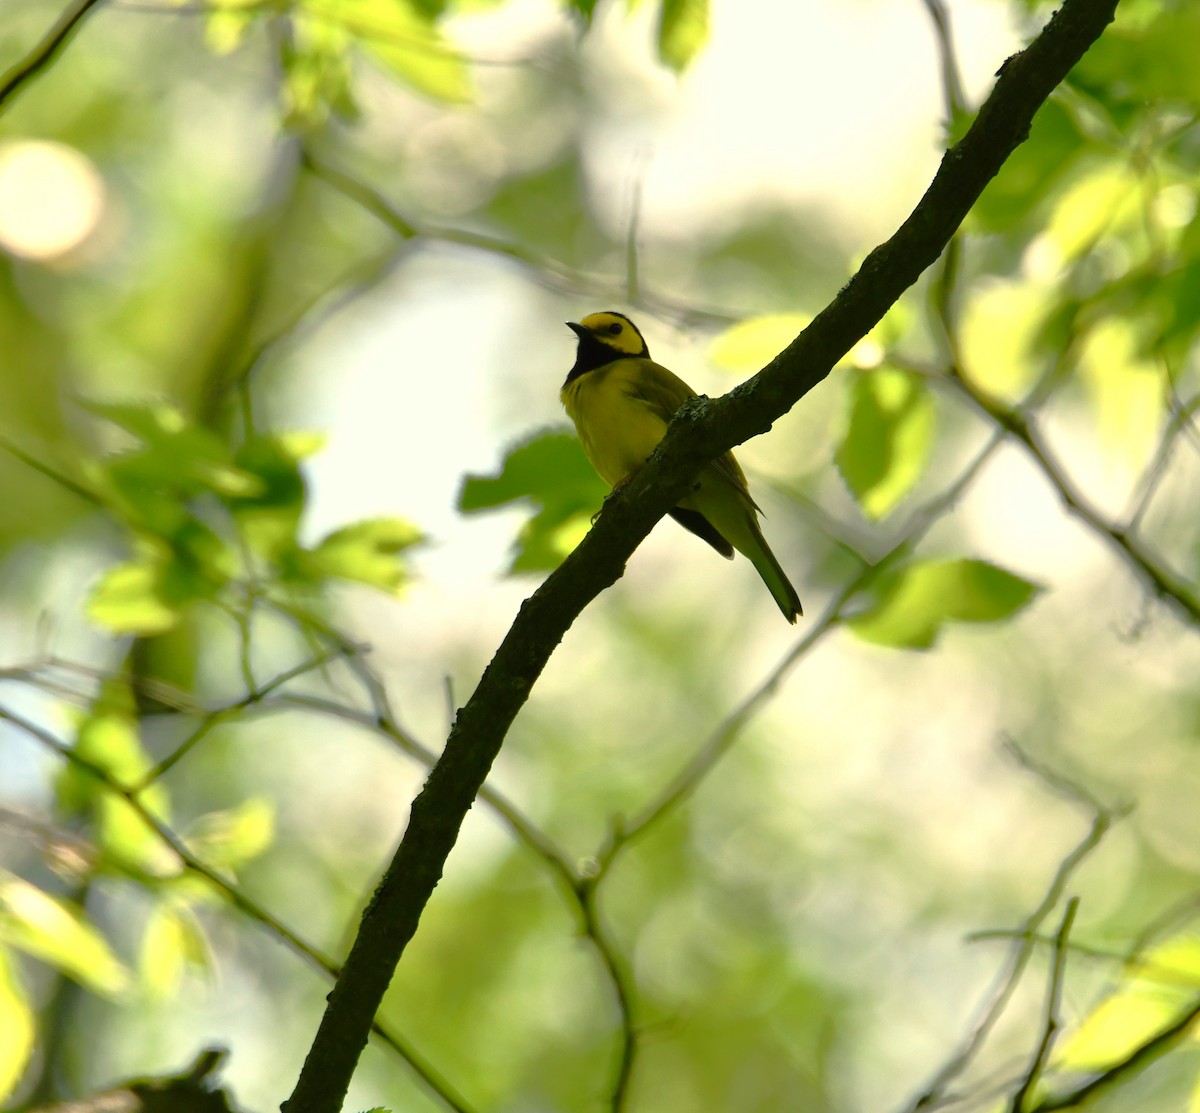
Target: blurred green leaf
1101	198
228	22
55	933
17	1024
230	838
1140	61
585	8
1123	389
269	517
888	438
915	604
551	472
1114	1028
682	31
1032	171
172	942
148	595
1179	291
366	551
1159	983
317	75
547	212
751	344
129	599
108	739
176	458
401	35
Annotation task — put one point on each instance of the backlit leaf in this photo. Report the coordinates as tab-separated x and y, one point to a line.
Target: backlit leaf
404	39
109	741
552	473
129	600
888	439
751	344
923	596
1115	1028
53	932
17	1025
234	836
682	31
366	551
173	942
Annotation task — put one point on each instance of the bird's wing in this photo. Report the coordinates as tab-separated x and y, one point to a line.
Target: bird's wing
663	392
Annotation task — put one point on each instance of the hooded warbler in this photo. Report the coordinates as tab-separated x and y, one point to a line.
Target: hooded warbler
621	402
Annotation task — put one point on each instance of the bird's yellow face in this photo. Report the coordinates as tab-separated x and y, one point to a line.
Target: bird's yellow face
616	332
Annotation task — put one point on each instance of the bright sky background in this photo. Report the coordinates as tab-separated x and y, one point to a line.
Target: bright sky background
757	115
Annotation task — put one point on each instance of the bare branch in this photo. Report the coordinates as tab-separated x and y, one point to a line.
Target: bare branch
1025	937
43	54
1138	1059
1053	1025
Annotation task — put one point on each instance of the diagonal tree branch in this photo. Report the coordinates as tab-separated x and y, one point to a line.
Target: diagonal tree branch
43	54
702	430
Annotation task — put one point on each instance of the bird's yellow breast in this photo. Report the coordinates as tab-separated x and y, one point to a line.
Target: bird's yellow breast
617	429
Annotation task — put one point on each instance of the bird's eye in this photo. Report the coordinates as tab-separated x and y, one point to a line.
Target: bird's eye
614	329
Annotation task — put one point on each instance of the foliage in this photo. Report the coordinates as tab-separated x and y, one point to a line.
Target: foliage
671	894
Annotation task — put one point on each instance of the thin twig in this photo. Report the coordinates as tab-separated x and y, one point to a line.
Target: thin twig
43	54
1138	1059
952	90
548	272
1161	581
934	1093
428	1075
213	719
1053	1024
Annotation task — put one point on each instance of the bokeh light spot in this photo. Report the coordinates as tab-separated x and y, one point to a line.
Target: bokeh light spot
51	199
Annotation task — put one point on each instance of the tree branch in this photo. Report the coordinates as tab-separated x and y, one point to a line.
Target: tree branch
43	54
701	431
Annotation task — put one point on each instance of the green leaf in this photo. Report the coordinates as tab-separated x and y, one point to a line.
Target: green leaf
1160	983
366	551
55	933
17	1024
172	942
1032	170
1115	1028
751	344
148	595
176	461
888	438
228	839
551	472
402	37
269	518
228	23
129	599
915	604
585	8
108	739
682	31
1100	201
1137	62
317	73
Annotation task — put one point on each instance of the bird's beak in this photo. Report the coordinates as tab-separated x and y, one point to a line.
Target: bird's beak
578	329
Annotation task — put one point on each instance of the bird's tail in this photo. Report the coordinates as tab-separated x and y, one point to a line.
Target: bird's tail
774	577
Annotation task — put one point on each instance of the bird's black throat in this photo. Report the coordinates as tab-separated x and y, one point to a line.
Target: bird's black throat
593	353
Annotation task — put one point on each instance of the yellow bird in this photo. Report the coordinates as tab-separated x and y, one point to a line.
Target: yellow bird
621	402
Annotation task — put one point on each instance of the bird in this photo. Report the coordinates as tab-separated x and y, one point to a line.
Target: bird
621	402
